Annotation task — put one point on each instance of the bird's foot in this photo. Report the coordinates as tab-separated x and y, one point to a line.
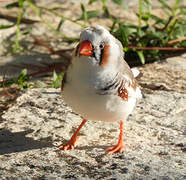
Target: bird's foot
71	144
73	141
115	149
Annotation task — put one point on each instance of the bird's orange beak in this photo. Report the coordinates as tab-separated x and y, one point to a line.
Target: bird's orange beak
85	48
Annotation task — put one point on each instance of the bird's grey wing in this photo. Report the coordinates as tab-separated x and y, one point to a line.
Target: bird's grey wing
129	81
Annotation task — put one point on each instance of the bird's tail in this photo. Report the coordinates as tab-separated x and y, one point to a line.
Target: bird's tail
135	72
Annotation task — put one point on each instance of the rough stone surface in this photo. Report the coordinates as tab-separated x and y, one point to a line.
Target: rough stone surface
169	75
155	140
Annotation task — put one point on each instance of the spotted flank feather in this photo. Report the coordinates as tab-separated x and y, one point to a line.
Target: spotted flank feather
119	86
123	92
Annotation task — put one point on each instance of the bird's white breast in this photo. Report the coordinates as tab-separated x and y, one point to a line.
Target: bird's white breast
83	78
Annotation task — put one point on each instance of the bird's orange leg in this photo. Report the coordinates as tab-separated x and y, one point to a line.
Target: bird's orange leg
119	146
72	142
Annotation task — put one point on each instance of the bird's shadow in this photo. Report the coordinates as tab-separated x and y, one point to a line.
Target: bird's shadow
11	142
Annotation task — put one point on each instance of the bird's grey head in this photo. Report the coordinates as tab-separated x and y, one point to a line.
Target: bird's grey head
95	35
98	43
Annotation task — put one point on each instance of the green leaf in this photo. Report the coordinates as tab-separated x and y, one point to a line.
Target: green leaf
22	79
183	43
124	35
57	79
176	4
17	46
56	8
141	56
21	2
158	20
6	26
182	11
92	1
61	22
112	28
125	49
179	31
54	76
105	9
125	32
91	14
166	6
23	73
147	2
121	3
84	13
12	5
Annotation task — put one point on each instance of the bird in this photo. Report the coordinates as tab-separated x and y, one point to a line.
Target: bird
99	84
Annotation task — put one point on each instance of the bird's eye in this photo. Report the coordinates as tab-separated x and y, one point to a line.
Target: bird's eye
101	46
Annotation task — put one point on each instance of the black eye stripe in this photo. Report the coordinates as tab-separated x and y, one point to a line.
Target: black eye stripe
101	56
98	56
93	53
98	52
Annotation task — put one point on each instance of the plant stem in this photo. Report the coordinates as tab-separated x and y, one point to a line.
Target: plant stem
176	6
17	45
140	16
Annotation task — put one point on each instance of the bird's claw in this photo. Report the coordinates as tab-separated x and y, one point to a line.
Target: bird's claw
115	149
66	147
70	145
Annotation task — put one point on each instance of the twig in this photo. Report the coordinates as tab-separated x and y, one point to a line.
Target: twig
42	43
173	27
158	48
176	40
50	49
166	25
